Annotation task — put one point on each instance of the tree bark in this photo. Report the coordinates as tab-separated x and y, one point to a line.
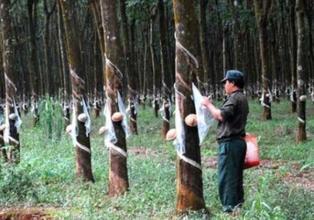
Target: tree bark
301	92
33	63
165	68
130	68
261	12
3	150
237	44
155	73
81	138
204	45
225	31
309	5
293	55
10	81
2	92
189	177
48	58
95	6
96	11
118	173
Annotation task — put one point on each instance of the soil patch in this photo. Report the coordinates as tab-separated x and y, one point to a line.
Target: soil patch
303	180
209	162
271	164
296	176
25	214
142	151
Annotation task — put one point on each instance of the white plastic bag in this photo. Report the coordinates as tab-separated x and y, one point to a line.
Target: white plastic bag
204	118
180	138
88	121
74	130
18	120
110	135
123	112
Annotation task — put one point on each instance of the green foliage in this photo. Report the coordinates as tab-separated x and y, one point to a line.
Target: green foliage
51	118
260	199
16	185
297	203
140	9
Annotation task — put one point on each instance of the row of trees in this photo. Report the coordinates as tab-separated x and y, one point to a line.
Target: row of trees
228	39
86	48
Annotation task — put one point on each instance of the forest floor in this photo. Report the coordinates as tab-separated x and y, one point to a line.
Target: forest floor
43	184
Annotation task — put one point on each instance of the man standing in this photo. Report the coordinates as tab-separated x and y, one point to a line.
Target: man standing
232	117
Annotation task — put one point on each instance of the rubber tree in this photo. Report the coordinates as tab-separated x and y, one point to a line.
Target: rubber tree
262	9
48	12
301	91
129	68
204	43
2	92
118	173
11	135
80	117
33	59
95	8
154	63
237	46
3	150
63	67
165	69
293	54
188	171
2	98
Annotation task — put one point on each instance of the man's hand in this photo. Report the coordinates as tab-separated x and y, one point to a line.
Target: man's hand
206	101
213	110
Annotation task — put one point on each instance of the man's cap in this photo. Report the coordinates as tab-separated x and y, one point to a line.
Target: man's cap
233	75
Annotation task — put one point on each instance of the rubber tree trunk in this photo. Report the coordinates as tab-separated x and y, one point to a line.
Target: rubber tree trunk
63	63
130	68
301	133
154	63
237	46
10	80
47	49
82	139
225	31
261	13
293	55
2	92
165	69
3	150
204	45
308	11
33	62
283	45
118	173
64	68
96	11
2	97
95	7
189	174
276	67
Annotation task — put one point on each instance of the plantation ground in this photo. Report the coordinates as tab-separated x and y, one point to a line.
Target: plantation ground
44	181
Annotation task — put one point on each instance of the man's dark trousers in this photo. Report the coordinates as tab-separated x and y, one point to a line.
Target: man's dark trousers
230	172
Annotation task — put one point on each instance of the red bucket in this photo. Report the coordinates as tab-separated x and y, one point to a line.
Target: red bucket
252	154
